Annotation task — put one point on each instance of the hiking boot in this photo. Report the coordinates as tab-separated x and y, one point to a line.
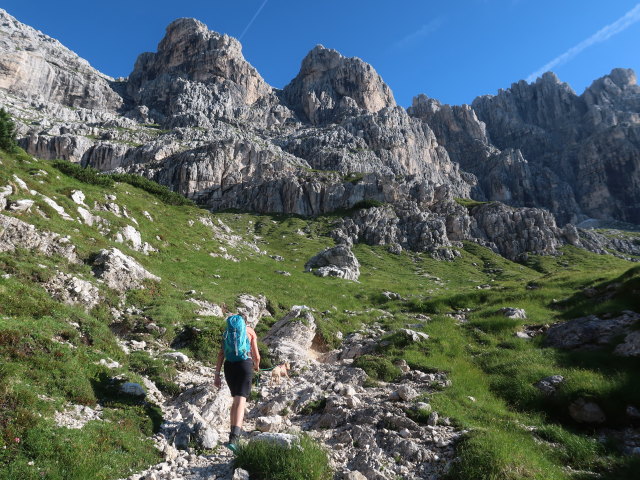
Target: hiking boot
232	444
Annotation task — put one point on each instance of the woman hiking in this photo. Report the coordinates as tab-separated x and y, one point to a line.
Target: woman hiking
239	352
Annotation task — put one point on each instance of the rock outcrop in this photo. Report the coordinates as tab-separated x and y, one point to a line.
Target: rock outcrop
73	290
120	271
15	233
335	262
290	338
592	332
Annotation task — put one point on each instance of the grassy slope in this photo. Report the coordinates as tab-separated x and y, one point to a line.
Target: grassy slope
483	357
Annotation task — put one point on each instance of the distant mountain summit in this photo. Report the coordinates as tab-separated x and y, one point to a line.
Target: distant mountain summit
197	117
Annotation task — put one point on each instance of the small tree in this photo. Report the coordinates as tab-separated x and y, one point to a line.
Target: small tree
7	132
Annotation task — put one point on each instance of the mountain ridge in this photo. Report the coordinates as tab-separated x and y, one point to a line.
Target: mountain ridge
195	116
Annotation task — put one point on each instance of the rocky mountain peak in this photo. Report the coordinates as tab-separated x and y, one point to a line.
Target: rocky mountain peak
623	77
329	83
191	64
185	26
619	90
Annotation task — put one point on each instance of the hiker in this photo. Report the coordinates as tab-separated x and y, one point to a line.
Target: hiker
239	352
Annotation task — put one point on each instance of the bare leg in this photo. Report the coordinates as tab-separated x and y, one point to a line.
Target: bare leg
237	411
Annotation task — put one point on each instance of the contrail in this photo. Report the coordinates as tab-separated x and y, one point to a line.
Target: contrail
624	22
423	31
252	19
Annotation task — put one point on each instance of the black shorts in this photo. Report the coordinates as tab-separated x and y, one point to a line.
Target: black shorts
239	376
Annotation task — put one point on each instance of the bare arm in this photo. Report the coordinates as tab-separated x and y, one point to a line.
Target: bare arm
255	353
217	382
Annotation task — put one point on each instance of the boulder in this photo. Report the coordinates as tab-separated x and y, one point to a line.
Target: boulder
269	424
281	439
335	261
207	309
630	347
585	411
240	474
412	335
407	393
120	271
252	308
4	193
514	313
206	437
134	389
21	206
549	385
290	339
354	476
590	332
177	357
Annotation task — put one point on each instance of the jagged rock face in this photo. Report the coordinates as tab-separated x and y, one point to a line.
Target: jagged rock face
329	85
457	129
504	176
409	228
387	142
514	232
590	143
195	73
38	68
614	98
533	117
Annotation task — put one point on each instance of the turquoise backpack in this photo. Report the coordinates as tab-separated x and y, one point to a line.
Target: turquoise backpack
235	340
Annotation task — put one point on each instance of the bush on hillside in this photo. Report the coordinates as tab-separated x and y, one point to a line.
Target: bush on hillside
378	368
86	175
163	193
7	132
94	177
268	461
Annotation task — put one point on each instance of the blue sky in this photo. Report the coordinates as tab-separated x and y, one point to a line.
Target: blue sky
452	50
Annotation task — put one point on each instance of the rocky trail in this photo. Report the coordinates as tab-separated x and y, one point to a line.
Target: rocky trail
364	425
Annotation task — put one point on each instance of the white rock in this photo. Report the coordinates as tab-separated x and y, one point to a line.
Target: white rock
120	271
240	474
59	210
178	357
78	197
207	309
281	439
107	362
20	183
407	393
23	205
4	193
269	424
515	313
